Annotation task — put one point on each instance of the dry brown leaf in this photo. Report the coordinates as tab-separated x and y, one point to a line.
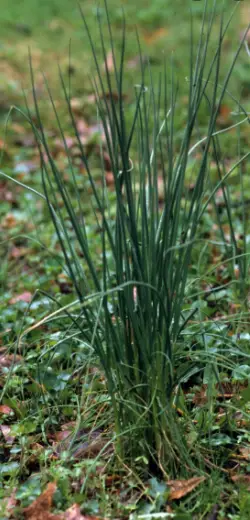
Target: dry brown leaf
17	128
242	479
9	221
7	195
40	508
200	398
180	488
26	296
109	177
62	436
5	410
9	503
7	360
82	127
25	140
74	513
5	433
19	252
155	36
59	144
245	453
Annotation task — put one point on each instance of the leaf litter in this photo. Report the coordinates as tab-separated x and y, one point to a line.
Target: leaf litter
40	509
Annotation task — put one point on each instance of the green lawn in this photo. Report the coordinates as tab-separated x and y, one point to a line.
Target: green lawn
56	419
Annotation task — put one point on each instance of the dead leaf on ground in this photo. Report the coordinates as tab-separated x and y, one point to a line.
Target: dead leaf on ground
109	177
9	221
26	296
77	105
20	252
181	488
6	194
154	36
40	508
2	144
7	360
245	453
5	410
5	433
74	513
59	144
82	127
9	503
62	436
200	397
224	118
25	139
242	479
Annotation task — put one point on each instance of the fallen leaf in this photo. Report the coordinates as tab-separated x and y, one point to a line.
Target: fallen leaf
5	432
69	426
109	177
64	284
18	129
7	360
24	139
37	450
82	126
242	479
152	37
6	194
110	480
245	453
9	503
61	436
77	105
40	508
74	513
5	410
180	488
200	398
59	143
224	118
26	296
9	221
19	252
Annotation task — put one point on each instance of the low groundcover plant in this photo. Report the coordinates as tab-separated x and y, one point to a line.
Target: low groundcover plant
135	309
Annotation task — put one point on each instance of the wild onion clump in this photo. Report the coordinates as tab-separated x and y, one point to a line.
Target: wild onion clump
134	310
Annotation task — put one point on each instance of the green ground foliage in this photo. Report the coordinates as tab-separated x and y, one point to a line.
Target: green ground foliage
124	260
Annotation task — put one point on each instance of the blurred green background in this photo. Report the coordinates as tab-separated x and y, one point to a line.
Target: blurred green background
49	27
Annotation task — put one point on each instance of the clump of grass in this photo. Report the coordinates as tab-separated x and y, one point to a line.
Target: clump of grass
132	311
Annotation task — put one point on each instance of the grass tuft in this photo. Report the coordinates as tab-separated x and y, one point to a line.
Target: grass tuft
136	312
